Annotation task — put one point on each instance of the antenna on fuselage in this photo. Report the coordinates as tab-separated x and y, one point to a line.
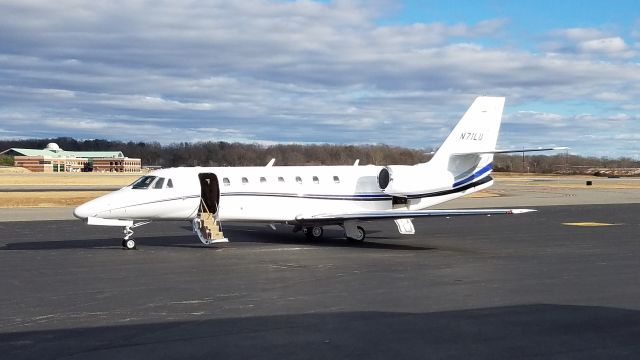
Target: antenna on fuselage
270	164
357	162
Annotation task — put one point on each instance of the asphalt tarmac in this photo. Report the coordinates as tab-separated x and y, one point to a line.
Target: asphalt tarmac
519	286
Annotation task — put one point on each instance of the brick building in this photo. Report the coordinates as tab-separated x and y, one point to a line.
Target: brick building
54	159
116	165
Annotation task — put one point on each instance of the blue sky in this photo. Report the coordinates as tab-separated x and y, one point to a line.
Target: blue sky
348	71
527	16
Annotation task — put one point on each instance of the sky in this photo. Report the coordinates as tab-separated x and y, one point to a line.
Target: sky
345	72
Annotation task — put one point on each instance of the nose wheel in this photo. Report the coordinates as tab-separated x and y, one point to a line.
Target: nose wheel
129	244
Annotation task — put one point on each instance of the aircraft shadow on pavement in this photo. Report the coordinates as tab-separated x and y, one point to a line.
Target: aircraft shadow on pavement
509	332
331	238
239	235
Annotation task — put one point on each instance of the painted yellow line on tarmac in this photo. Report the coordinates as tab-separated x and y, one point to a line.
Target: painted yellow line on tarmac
589	224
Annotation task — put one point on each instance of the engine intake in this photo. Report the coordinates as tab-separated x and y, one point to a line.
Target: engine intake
402	180
384	178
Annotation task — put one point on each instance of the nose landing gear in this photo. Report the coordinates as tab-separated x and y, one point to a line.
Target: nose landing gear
128	243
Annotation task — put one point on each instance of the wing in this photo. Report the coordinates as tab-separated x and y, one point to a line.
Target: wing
336	218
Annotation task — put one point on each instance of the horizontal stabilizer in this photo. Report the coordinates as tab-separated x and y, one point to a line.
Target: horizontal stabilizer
404	214
510	151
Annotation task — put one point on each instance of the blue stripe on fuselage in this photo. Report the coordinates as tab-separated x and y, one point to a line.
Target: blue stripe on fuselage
475	175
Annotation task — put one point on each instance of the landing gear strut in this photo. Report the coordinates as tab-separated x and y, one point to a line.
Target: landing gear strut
129	243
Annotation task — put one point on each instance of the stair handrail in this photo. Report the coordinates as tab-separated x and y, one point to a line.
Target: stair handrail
204	205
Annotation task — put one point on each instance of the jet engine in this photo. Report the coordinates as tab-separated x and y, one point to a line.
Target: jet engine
402	180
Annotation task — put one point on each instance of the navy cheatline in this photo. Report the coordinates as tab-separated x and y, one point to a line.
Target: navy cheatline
475	175
363	197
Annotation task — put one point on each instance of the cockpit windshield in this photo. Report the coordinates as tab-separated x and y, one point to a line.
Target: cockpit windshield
143	182
158	184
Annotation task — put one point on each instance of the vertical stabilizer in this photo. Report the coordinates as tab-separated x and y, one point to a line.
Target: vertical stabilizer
477	131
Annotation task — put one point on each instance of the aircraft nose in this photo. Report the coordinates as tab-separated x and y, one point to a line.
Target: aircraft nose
82	212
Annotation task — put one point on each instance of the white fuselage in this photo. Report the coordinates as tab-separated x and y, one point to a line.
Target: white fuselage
276	194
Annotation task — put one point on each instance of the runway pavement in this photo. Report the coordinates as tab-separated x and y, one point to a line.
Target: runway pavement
520	286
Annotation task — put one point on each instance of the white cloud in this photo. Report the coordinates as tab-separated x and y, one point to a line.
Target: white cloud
612	96
580	34
535	118
588	41
604	45
286	71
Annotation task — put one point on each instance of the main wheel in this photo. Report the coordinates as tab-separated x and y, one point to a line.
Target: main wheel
129	244
360	235
313	232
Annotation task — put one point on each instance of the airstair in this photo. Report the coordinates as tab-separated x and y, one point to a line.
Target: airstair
207	226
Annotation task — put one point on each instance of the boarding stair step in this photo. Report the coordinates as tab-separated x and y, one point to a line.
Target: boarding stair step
210	226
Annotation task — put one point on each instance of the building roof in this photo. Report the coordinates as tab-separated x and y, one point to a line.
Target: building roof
53	147
64	154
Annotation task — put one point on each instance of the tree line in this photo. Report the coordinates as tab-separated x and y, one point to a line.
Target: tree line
564	163
234	154
241	154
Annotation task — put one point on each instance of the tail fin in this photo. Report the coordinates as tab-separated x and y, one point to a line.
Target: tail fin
477	131
475	137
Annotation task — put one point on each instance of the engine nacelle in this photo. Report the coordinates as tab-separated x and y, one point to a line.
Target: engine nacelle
402	180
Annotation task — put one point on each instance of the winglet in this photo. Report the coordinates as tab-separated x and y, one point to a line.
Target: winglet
521	211
270	164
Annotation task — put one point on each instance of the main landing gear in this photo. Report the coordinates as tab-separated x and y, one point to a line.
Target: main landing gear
358	235
313	232
128	243
352	232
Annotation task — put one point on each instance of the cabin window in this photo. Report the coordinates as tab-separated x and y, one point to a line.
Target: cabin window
226	181
280	179
170	184
298	179
245	181
316	180
159	183
336	180
143	182
263	179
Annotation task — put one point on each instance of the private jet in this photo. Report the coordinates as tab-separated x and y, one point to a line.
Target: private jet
310	198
